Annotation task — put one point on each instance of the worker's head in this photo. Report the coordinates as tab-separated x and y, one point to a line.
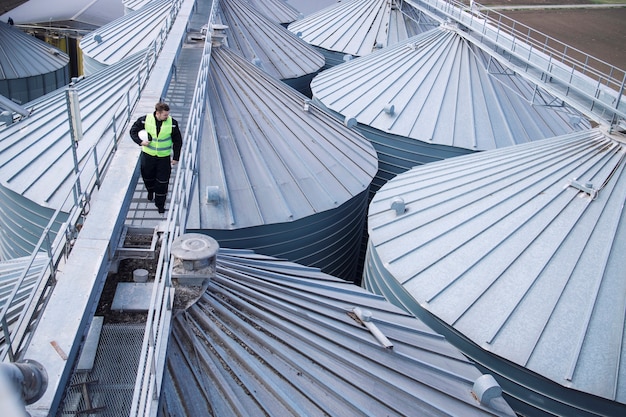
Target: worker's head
162	110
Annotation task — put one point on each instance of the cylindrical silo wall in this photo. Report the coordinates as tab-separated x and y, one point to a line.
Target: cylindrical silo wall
398	154
91	66
22	224
23	90
301	84
329	240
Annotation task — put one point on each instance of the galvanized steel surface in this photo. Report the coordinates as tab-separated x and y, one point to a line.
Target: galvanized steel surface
521	251
441	89
266	44
277	11
23	56
271	337
128	35
36	157
78	14
275	157
360	27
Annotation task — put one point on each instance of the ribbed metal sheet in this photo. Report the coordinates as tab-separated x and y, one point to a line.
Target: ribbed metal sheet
36	158
444	90
520	252
29	67
10	273
130	5
80	14
277	11
436	96
360	27
266	44
128	35
275	164
273	338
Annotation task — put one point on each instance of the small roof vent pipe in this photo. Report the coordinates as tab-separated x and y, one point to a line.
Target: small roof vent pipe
194	265
486	388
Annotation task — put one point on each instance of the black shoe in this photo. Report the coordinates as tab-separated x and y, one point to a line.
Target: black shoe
161	210
150	195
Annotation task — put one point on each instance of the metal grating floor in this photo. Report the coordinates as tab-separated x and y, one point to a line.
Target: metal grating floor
107	389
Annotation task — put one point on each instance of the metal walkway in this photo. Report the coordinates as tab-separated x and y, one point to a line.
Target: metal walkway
591	86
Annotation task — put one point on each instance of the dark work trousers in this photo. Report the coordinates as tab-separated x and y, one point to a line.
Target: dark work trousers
155	171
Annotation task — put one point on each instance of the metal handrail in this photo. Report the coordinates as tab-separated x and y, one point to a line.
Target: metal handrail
151	364
76	202
600	82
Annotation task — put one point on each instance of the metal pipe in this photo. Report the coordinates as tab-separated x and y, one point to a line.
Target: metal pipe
365	317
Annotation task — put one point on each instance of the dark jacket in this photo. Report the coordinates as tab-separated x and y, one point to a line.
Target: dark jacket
177	137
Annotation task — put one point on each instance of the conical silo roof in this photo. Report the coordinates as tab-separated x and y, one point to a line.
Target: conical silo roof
360	27
131	5
516	256
125	36
274	338
277	11
266	44
29	67
435	96
37	168
276	166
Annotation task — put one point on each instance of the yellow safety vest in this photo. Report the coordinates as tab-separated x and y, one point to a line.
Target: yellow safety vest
161	144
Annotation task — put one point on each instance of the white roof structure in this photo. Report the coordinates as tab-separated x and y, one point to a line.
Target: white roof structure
360	27
270	337
517	253
81	14
125	36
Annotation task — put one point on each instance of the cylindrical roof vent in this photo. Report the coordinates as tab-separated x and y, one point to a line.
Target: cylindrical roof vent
194	265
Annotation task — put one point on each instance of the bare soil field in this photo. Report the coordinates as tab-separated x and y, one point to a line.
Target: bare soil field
597	32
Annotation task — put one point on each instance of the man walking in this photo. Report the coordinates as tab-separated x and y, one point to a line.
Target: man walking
160	146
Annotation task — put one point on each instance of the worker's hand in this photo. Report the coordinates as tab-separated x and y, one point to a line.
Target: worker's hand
145	143
174	162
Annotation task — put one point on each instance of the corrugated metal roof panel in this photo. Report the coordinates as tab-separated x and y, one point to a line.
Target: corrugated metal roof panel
271	337
272	161
128	35
268	45
36	158
360	27
521	251
77	13
130	5
23	56
441	89
277	11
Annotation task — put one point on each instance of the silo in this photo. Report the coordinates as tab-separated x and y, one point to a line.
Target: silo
132	5
269	46
276	173
277	11
38	159
132	33
435	96
515	255
270	337
29	68
359	27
